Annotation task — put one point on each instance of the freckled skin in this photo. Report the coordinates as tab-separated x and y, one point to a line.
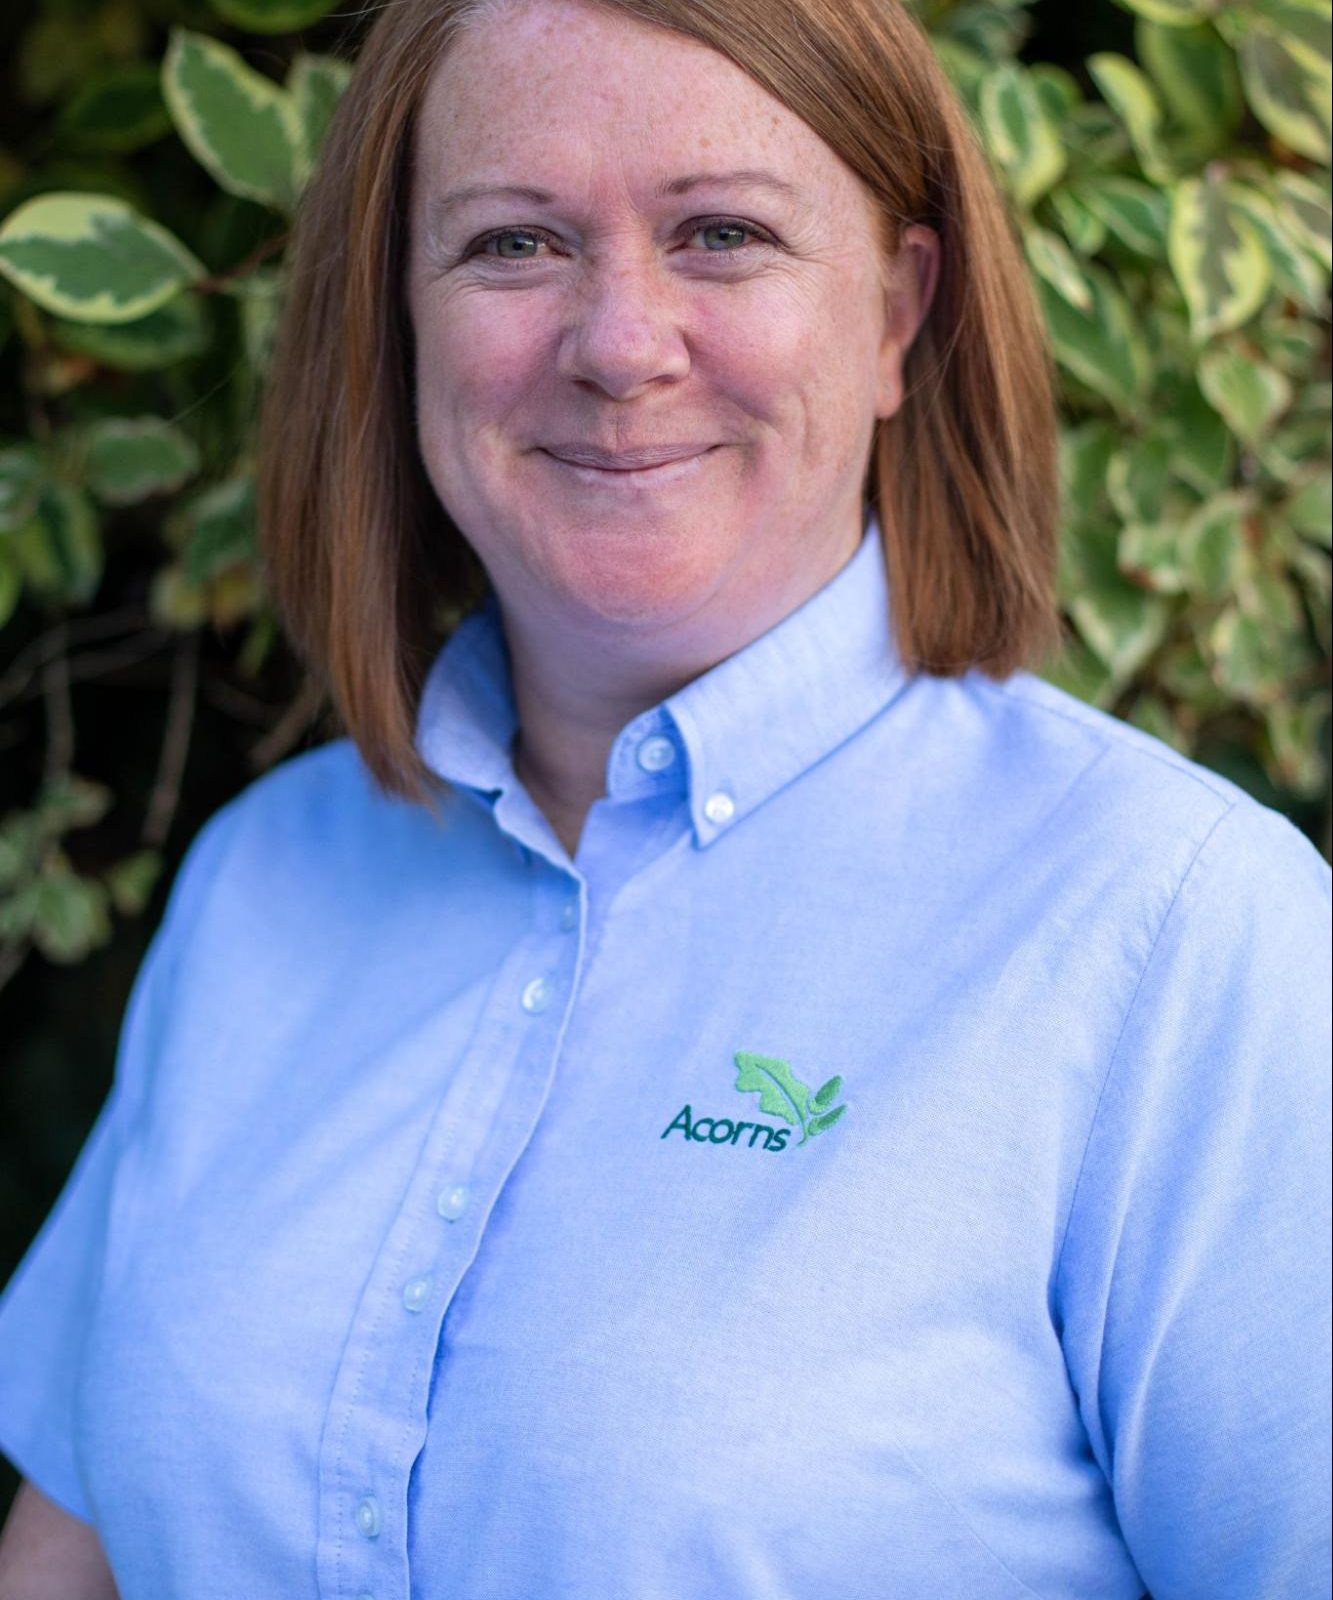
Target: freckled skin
622	319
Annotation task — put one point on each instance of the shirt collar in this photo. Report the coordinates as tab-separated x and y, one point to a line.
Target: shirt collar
730	739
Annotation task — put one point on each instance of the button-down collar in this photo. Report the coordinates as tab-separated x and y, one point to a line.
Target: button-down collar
740	732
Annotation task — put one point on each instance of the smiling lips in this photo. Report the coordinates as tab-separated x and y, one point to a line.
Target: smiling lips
628	461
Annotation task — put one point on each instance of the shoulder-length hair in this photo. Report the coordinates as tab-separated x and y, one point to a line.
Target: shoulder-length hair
367	571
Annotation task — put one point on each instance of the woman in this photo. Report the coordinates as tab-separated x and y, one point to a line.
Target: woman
733	1087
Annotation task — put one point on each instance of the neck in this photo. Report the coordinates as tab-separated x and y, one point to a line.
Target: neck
568	721
575	689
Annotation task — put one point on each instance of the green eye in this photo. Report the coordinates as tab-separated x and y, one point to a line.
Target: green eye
721	236
731	232
523	239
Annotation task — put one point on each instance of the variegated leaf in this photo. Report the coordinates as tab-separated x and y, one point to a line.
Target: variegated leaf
1130	92
1150	556
60	546
243	128
1052	259
1195	74
92	258
69	913
1137	213
315	83
1306	209
1020	135
1283	51
1084	231
1295	272
1248	395
1212	544
1217	256
1309	507
1255	648
1137	479
125	459
1102	347
176	330
1295	730
1123	624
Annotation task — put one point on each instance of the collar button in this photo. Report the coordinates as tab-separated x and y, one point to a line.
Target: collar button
656	753
719	808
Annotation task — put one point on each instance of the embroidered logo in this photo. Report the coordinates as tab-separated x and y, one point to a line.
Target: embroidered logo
781	1094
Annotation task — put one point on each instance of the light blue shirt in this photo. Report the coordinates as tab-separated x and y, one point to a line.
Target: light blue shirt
890	1161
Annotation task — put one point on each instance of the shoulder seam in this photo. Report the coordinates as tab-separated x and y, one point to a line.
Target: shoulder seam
1114	1057
1183	771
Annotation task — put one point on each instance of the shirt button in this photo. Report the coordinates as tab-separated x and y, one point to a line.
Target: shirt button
656	753
719	808
416	1293
452	1203
368	1517
537	995
569	917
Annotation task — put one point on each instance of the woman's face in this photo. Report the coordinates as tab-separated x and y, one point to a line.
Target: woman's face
623	248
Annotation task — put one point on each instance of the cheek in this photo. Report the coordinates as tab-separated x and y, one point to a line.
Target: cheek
803	361
751	354
475	363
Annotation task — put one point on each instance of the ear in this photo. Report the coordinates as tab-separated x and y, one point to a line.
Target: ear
913	274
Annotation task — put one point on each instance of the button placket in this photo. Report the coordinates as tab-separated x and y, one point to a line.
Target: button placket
422	1278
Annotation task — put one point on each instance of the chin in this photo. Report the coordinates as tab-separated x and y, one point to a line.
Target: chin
640	569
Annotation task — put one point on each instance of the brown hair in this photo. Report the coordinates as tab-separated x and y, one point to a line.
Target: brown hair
367	570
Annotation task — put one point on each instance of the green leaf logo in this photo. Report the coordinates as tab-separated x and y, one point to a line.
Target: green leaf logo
782	1094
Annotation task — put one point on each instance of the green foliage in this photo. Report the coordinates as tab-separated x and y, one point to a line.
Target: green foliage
1172	197
1180	245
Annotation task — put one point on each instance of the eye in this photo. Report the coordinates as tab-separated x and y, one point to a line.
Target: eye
729	231
721	235
524	241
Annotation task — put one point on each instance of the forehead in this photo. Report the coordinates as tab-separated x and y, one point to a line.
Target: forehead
561	93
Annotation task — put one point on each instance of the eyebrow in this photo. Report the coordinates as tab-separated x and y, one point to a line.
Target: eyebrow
442	205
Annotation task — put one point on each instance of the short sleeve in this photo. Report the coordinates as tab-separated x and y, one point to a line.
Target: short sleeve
46	1308
1192	1292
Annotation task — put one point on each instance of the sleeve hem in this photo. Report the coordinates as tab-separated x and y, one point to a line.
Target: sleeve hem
62	1488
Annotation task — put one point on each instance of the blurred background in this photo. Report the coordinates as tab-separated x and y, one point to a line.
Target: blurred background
1168	167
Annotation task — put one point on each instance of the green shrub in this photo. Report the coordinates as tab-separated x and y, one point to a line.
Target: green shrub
1174	205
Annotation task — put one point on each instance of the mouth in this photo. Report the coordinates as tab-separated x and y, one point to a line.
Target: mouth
630	468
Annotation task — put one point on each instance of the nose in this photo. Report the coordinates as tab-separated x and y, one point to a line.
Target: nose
624	332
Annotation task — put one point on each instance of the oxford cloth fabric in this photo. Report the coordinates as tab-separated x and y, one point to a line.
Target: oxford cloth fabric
432	1242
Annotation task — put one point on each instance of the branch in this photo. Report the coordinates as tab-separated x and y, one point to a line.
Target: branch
24	666
59	717
289	728
175	742
220	282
